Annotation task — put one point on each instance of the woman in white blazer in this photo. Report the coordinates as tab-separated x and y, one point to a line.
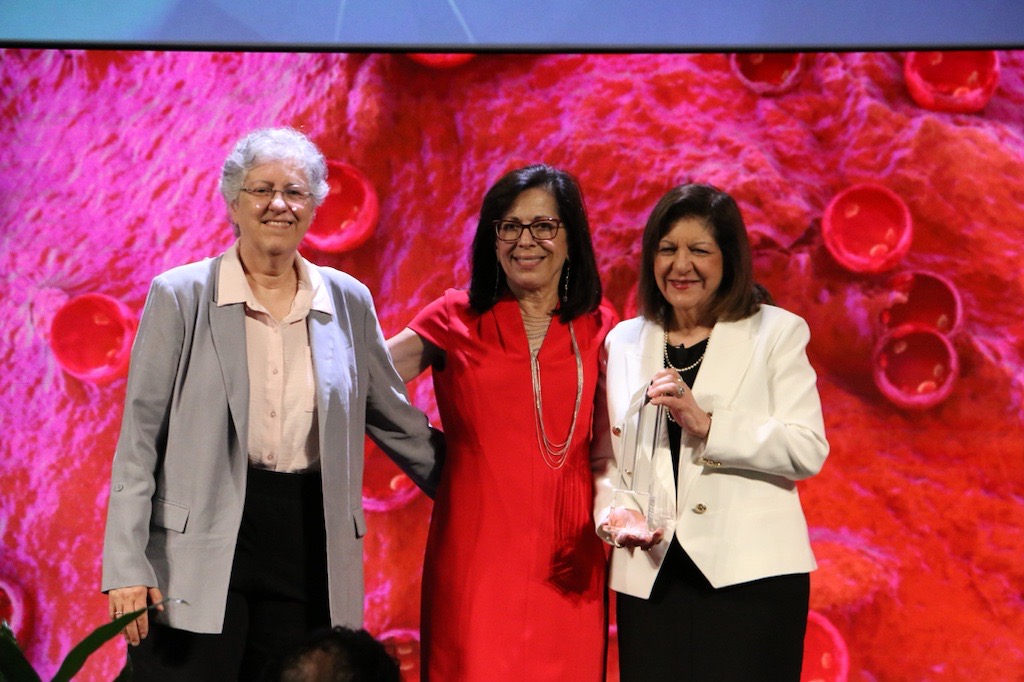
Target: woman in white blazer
718	588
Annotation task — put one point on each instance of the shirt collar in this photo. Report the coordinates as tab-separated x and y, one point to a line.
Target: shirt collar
233	288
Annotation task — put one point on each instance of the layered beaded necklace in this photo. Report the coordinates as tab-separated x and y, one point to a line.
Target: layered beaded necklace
668	363
554	454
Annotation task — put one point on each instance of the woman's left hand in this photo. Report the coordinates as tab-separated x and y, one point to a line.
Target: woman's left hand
669	390
628	528
124	600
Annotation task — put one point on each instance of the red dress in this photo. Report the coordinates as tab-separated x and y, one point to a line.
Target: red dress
514	575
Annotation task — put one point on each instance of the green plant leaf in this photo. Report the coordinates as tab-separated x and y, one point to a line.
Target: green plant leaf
14	667
74	661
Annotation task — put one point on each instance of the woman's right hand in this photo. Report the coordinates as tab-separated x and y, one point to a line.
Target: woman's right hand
668	389
124	600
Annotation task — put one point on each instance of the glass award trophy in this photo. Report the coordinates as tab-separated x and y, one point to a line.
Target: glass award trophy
635	514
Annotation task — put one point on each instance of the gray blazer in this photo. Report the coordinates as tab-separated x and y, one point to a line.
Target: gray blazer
179	472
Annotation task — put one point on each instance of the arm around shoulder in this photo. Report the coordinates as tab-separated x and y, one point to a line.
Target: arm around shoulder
401	430
411	353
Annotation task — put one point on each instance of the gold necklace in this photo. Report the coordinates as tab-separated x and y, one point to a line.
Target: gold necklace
555	454
668	363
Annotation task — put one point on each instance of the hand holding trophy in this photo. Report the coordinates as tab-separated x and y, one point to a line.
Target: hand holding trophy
634	519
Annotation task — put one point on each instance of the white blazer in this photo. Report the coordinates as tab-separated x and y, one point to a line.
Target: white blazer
735	507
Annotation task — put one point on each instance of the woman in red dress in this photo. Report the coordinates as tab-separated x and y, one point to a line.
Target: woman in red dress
514	577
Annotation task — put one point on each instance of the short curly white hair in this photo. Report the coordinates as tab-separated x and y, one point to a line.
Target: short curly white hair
274	144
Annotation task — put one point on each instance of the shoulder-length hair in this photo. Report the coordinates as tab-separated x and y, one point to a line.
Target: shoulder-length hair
738	296
487	281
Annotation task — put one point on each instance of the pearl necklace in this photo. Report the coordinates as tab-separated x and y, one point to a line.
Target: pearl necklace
555	454
668	363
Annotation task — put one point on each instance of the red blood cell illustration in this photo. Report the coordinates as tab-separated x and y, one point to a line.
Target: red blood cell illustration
385	487
91	337
826	658
925	300
349	214
441	60
14	611
768	73
914	367
952	81
404	645
867	228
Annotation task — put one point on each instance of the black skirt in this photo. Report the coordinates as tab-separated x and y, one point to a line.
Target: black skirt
689	631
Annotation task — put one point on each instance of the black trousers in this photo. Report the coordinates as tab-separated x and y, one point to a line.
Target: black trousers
277	594
690	632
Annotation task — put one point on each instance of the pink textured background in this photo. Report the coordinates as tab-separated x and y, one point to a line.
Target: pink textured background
110	162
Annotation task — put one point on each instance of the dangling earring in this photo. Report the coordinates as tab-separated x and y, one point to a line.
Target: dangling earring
565	288
497	278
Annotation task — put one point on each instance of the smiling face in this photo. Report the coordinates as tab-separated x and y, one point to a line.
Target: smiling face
688	267
531	265
272	227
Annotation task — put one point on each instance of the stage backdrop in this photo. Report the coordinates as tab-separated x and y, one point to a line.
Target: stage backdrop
884	196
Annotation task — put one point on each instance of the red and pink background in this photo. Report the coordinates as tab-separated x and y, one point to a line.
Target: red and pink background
883	192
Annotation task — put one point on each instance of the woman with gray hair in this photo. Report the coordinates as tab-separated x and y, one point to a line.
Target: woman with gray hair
253	379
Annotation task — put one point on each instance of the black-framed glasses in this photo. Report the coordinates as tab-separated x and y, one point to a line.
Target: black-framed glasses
290	195
540	229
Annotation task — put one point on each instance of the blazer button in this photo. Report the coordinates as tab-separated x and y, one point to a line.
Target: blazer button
699	509
119	487
616	431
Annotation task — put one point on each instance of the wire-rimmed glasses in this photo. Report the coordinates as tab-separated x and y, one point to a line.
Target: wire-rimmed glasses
291	195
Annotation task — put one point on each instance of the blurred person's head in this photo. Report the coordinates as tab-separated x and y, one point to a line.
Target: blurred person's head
339	655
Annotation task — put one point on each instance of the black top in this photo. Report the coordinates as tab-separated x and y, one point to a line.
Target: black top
681	356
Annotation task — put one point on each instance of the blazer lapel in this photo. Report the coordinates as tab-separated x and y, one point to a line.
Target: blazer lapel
322	349
647	358
725	362
227	327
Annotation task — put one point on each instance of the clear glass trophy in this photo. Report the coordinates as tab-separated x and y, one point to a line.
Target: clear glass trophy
635	514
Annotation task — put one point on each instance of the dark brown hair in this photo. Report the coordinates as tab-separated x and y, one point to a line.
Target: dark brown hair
738	296
487	282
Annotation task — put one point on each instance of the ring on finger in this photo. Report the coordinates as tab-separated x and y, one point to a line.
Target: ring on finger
680	390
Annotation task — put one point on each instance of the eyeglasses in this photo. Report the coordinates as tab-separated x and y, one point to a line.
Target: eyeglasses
542	229
295	197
